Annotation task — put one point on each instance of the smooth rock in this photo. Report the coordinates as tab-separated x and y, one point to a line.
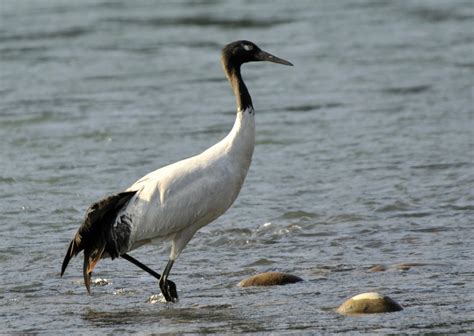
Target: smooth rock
269	279
369	303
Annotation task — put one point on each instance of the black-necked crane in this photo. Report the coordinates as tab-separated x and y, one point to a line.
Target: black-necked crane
172	203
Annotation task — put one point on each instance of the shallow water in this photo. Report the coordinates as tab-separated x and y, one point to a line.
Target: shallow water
364	156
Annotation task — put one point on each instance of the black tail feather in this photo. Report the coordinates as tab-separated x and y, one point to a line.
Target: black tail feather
95	235
71	252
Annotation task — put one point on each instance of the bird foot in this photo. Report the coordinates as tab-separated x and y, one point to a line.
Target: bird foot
168	289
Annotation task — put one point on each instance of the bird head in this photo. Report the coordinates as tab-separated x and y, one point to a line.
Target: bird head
240	52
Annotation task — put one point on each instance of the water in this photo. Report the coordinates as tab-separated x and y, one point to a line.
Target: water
364	156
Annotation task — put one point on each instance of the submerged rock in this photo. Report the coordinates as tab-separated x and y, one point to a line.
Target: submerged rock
369	303
378	268
407	266
156	298
94	282
400	267
269	279
100	282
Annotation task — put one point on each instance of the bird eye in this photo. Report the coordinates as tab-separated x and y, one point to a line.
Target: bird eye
248	47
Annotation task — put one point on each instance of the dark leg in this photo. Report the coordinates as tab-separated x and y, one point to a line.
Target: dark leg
168	288
139	264
171	285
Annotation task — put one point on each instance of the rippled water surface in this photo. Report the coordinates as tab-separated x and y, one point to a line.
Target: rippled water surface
364	157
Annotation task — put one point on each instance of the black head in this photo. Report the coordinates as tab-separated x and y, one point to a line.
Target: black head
239	52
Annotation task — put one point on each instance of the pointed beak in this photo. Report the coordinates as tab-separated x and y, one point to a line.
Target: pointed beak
264	56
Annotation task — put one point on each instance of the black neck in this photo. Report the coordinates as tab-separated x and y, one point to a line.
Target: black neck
242	95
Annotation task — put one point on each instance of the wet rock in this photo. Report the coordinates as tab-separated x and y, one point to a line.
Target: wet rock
403	267
407	266
378	268
156	298
269	279
369	303
400	267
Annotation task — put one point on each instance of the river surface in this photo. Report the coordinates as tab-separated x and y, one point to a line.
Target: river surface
364	157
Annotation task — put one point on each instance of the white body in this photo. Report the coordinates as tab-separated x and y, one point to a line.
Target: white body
174	202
